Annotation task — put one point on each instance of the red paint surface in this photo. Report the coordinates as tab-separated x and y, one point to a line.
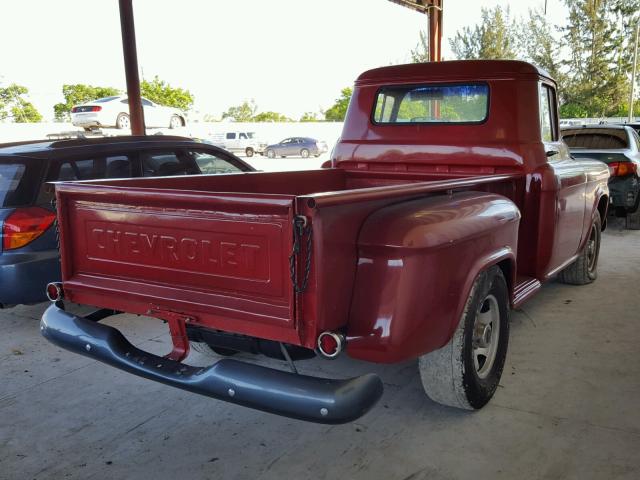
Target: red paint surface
402	223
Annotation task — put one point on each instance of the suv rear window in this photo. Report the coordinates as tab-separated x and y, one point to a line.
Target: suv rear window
432	104
596	139
18	182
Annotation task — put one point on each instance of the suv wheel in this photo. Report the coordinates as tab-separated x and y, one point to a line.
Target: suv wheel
249	152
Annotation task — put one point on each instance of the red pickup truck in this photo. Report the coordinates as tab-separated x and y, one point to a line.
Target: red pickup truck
448	200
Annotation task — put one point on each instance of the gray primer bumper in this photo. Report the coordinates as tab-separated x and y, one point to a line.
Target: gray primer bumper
303	397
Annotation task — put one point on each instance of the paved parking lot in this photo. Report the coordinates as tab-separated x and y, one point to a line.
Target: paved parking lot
567	406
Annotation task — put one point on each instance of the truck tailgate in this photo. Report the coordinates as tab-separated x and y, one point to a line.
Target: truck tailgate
221	259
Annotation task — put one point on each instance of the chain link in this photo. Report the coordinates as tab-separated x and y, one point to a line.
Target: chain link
300	229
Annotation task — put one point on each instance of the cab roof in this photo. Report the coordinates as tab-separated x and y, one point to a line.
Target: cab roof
452	71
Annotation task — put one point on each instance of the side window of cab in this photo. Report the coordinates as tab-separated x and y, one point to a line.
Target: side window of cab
548	117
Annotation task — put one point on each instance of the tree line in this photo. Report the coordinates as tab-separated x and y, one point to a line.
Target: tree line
590	56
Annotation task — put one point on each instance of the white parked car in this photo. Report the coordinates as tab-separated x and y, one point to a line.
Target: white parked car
114	112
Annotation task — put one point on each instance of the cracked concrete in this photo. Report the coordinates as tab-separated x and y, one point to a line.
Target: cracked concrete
567	406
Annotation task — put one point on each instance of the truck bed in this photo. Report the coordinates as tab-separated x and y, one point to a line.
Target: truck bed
217	249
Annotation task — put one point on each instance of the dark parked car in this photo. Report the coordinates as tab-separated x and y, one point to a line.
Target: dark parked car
619	147
28	250
294	146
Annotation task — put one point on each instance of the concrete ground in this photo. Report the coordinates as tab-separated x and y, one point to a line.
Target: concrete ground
567	407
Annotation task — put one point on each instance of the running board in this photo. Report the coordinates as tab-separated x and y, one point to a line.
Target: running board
525	288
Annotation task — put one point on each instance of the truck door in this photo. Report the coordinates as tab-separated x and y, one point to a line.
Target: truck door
570	181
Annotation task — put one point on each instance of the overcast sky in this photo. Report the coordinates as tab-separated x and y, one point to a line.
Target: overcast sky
290	56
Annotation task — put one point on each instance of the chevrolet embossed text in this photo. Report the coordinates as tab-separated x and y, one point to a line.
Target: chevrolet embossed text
201	251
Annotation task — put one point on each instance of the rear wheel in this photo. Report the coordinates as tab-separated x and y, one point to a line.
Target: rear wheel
465	372
122	122
271	154
304	153
249	152
585	269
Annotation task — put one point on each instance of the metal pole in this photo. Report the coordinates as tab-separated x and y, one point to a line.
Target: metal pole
136	114
633	74
435	30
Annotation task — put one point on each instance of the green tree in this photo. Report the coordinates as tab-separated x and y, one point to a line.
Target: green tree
270	117
597	39
495	37
539	45
309	117
76	94
13	104
162	93
241	113
420	54
338	110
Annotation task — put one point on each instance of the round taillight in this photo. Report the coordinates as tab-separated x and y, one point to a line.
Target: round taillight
330	344
54	291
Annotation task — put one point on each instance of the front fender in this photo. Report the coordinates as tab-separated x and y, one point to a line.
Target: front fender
416	263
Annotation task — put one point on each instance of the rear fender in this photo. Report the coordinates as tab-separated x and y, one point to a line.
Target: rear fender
417	261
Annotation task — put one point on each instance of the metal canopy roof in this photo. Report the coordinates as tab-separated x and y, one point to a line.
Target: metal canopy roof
421	6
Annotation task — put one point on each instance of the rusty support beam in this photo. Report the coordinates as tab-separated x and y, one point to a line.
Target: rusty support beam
435	30
127	27
432	8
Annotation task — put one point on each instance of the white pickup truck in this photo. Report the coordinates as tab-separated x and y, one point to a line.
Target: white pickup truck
239	142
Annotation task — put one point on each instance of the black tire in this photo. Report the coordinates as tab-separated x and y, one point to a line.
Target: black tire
585	268
123	122
304	153
249	152
632	221
175	122
271	154
455	375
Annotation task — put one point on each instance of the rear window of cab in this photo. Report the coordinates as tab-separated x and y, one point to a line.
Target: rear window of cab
441	104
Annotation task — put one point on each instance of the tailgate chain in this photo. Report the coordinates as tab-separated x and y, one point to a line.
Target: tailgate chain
300	229
55	223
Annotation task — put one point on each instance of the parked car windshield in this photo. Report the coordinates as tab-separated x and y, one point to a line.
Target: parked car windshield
18	182
596	138
432	104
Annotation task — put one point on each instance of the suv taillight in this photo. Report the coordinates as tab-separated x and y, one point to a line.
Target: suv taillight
24	225
621	169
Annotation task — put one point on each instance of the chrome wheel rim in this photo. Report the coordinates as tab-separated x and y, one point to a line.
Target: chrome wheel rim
486	336
124	121
175	122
